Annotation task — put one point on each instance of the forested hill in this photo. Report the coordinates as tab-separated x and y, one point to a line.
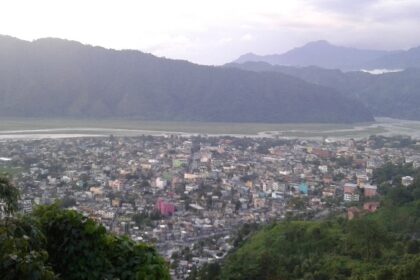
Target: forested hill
394	95
384	245
59	78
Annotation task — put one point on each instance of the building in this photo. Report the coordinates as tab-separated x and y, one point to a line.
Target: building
160	183
369	190
351	192
371	206
303	188
164	208
362	179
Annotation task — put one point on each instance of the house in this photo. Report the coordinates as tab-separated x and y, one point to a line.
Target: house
362	179
369	190
328	192
351	192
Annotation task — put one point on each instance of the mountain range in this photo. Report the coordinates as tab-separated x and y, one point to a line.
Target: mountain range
60	78
395	95
325	55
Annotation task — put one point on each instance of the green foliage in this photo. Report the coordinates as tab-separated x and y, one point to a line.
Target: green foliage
392	173
210	271
54	243
79	248
366	238
75	244
22	253
142	219
383	245
9	195
135	261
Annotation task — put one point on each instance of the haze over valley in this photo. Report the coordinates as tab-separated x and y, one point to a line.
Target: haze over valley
210	140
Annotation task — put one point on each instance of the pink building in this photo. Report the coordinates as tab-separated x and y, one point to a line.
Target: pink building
164	208
369	190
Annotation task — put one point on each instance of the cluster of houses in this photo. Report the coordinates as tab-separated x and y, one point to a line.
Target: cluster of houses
195	192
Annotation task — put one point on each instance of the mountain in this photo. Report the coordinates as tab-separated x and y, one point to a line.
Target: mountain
399	60
321	54
348	83
395	95
60	78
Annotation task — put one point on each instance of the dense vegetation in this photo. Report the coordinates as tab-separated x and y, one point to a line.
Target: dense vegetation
53	243
58	78
379	246
393	95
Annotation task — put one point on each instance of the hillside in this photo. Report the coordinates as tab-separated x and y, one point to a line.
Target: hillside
59	78
382	245
393	95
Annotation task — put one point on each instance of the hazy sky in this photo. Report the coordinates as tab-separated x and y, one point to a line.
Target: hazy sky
216	31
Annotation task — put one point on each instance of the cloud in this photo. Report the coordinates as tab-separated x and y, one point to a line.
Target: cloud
343	7
217	31
247	37
224	41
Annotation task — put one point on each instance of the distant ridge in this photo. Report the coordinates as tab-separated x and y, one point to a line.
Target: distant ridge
323	54
60	78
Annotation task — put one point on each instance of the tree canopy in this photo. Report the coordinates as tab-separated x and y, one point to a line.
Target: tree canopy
53	243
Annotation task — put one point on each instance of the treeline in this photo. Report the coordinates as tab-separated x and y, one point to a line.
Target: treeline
53	243
58	78
380	246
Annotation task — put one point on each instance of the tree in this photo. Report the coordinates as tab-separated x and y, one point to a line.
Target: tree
367	238
22	253
53	241
79	248
21	243
9	195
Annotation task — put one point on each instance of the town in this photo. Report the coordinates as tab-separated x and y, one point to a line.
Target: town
189	195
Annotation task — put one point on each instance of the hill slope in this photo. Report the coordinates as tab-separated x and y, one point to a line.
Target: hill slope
59	78
395	95
383	245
